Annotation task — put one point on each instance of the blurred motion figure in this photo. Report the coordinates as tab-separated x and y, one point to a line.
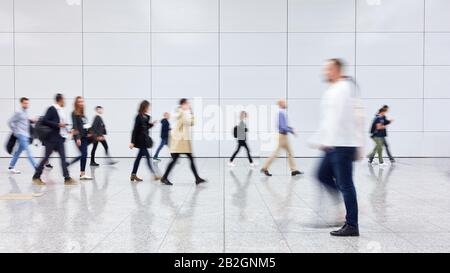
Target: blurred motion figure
341	133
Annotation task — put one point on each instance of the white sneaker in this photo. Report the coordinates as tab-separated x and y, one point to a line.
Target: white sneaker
13	171
85	177
252	165
231	164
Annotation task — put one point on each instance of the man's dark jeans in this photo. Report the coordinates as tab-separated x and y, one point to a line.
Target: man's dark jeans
336	172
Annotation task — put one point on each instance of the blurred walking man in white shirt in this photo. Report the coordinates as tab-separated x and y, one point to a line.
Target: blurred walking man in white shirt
341	133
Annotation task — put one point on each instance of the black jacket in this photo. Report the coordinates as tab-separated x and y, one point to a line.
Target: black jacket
78	125
51	119
98	127
165	128
141	136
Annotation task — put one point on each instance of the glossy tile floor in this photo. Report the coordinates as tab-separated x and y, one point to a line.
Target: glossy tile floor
405	208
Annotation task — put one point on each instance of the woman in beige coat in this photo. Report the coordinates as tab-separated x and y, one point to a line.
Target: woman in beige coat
180	140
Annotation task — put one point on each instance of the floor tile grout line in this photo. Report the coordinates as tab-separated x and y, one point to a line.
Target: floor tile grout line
110	233
174	218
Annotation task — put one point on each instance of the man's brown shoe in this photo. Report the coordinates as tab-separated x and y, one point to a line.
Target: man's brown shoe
70	182
38	181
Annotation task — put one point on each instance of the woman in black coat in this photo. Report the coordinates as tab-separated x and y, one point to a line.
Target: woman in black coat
140	138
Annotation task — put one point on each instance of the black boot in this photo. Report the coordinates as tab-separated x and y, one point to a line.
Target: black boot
346	231
199	180
166	181
94	164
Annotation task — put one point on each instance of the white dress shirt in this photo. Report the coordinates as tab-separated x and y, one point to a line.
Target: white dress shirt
62	119
342	117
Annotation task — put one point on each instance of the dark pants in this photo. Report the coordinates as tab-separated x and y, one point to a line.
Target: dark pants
94	149
386	145
242	143
164	141
50	147
336	172
142	153
84	153
174	161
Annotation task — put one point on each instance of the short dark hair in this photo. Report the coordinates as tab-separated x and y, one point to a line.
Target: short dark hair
183	101
338	63
98	107
59	97
22	99
386	107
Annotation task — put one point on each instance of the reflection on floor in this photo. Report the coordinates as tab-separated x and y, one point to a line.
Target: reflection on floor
402	209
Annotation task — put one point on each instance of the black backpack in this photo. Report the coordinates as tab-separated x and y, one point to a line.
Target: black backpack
235	133
41	131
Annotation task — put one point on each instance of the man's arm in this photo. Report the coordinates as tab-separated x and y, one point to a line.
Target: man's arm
12	121
49	117
282	123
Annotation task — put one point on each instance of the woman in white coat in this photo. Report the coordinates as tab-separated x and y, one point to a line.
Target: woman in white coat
181	141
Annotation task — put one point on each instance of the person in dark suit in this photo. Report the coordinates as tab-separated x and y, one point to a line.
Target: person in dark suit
56	120
140	138
98	129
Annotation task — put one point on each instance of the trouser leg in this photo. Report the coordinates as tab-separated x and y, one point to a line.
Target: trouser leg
137	161
250	159
193	168
236	151
171	164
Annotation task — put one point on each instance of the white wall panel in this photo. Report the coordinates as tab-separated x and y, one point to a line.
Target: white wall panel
390	16
116	49
253	15
116	15
48	49
185	15
45	81
321	16
437	82
436	112
389	48
6	49
437	18
253	82
176	82
391	81
6	82
437	49
185	49
47	16
253	49
316	48
117	82
6	16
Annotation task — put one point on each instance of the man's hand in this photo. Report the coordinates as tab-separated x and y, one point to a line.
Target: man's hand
131	146
62	125
78	142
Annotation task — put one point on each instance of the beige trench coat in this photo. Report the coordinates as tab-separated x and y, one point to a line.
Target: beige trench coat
180	135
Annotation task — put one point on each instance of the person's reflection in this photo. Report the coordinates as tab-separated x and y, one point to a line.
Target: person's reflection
141	218
379	194
240	194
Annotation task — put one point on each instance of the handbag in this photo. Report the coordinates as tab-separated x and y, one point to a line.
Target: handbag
11	143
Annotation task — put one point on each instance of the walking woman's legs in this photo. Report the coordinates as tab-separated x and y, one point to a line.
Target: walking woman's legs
149	163
137	161
193	168
171	164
